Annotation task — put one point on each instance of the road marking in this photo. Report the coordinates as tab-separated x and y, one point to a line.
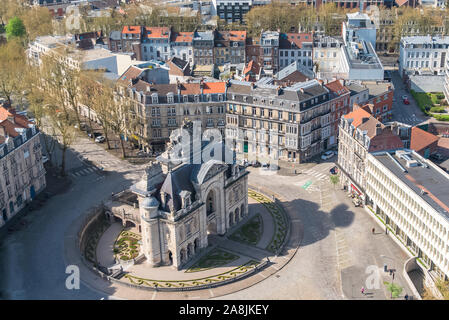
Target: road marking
307	184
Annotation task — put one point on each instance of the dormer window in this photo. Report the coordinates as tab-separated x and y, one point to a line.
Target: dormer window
154	98
185	198
197	98
185	98
220	97
170	98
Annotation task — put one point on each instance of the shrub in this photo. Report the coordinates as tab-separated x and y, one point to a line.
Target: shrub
438	109
441	117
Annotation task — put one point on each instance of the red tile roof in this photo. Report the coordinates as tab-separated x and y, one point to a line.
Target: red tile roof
214	87
299	38
10	127
157	32
132	29
421	139
237	36
358	116
183	37
19	119
253	67
130	74
337	88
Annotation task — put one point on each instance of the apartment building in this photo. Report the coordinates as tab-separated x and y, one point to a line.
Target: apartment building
203	48
131	38
291	123
269	51
296	47
156	43
380	100
234	10
161	108
229	47
22	171
182	46
423	55
327	55
411	195
360	134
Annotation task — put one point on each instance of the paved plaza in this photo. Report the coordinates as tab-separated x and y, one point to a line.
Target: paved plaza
241	252
336	244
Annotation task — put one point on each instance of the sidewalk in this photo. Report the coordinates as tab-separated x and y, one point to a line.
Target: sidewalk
121	291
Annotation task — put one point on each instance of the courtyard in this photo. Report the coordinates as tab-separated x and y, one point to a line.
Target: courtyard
247	245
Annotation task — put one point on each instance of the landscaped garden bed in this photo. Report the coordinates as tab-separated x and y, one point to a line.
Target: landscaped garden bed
280	223
236	272
431	104
127	246
215	258
250	232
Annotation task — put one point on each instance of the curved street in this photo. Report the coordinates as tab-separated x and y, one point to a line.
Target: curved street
337	245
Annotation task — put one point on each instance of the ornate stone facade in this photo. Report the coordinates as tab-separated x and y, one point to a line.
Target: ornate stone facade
182	206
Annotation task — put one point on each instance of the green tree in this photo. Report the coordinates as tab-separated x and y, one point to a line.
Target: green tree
334	179
15	28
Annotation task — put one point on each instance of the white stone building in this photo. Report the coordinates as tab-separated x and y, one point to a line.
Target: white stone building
156	43
423	55
411	195
182	204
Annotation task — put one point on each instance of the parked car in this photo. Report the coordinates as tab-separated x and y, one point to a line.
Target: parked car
255	164
406	101
327	155
94	135
404	97
100	139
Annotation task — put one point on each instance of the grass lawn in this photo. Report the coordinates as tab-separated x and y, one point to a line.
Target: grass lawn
427	103
126	247
250	232
213	259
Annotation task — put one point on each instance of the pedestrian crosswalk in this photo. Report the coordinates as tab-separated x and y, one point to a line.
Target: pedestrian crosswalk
318	175
84	171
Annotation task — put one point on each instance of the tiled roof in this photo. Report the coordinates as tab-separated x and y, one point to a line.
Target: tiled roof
421	139
286	40
182	37
337	88
186	88
10	128
157	32
357	116
253	67
132	29
237	36
130	74
19	119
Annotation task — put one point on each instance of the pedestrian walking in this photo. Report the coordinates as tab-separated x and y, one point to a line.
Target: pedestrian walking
362	290
374	230
406	297
393	275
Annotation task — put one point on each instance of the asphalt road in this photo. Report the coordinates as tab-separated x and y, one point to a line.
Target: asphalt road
337	244
409	114
32	264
